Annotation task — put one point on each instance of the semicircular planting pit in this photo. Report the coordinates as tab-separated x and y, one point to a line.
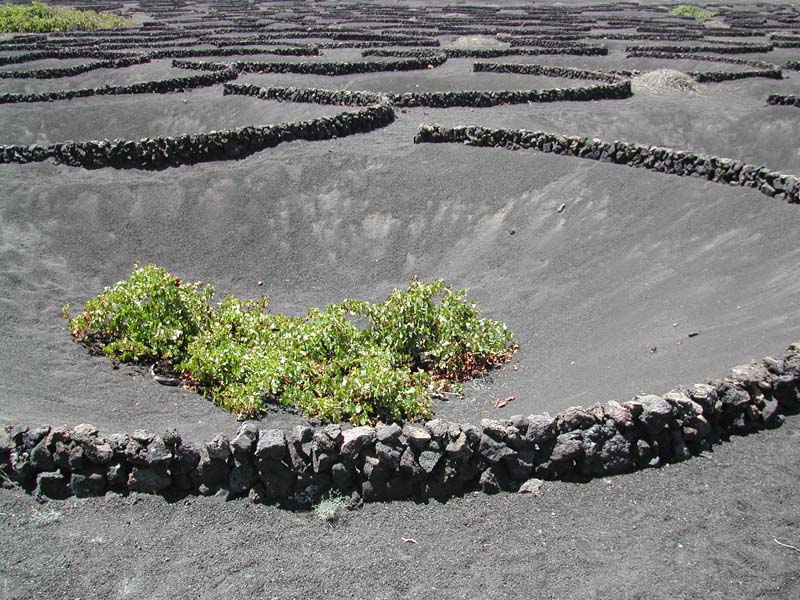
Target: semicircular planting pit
619	186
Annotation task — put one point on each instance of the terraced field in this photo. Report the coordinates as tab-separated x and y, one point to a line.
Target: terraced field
635	227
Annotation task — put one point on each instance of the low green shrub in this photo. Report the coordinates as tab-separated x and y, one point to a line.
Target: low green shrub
41	18
356	360
694	12
150	316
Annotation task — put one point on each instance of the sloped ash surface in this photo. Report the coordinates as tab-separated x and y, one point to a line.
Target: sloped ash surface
602	295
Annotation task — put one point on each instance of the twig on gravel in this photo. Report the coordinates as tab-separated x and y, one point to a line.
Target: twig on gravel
5	478
795	548
501	402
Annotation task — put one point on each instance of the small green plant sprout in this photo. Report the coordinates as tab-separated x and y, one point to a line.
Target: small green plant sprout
693	12
330	508
356	361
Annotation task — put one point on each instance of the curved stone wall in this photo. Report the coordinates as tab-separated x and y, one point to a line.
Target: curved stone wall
522	51
759	64
338	45
227	144
717	49
307	95
152	32
654	158
331	69
718	76
338	36
783	100
116	63
409	53
783	37
162	86
479	99
475	52
539	41
647	37
200	65
200	52
437	459
575	50
63	53
544	71
126	45
340	68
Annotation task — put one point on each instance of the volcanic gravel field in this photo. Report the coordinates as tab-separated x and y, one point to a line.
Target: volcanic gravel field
616	281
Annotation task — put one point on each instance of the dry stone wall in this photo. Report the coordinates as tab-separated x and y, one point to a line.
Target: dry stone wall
436	459
545	71
472	52
340	36
759	64
62	53
340	68
647	37
575	50
716	49
200	52
762	69
116	63
124	45
478	99
227	144
162	86
719	76
783	100
654	158
200	65
307	95
331	69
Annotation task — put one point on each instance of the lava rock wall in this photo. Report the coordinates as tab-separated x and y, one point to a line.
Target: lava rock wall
162	152
717	49
545	71
62	53
783	100
605	91
307	95
654	158
436	459
340	68
162	86
115	63
718	76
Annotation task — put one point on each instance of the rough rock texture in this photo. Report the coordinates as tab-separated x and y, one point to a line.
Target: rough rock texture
655	158
437	459
783	100
163	86
163	152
